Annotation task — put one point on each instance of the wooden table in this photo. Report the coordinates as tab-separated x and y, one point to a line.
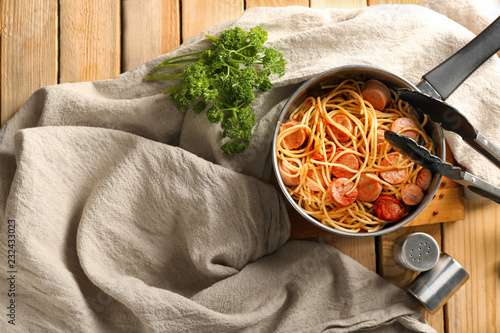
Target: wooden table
46	42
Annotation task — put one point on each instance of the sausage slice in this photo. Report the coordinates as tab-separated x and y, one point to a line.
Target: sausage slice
381	140
287	179
296	138
403	126
396	176
314	180
344	121
337	192
411	194
350	161
377	94
389	208
368	187
424	178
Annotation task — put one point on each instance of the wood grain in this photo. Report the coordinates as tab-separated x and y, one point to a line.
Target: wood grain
404	2
474	243
149	28
28	51
89	40
198	15
276	3
446	206
345	4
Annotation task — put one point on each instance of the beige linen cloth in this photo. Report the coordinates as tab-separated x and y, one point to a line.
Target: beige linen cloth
129	218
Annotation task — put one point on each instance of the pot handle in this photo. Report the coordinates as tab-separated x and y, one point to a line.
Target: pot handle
442	81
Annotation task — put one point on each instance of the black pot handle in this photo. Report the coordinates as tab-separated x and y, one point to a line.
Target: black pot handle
450	74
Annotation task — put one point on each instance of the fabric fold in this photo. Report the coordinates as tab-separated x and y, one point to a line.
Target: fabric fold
322	291
141	213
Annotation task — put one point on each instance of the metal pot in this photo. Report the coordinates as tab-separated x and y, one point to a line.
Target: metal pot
312	87
440	82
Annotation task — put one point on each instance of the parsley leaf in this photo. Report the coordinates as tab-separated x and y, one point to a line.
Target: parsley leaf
222	81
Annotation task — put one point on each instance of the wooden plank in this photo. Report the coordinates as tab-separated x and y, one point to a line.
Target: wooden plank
345	4
89	40
301	228
28	51
360	249
404	2
402	277
198	15
276	3
149	28
474	244
446	206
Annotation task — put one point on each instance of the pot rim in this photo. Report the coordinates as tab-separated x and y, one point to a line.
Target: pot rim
333	73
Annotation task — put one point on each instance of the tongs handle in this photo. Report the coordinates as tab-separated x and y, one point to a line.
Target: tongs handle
486	148
480	187
447	76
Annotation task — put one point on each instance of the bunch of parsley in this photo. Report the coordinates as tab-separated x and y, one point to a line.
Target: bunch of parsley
222	79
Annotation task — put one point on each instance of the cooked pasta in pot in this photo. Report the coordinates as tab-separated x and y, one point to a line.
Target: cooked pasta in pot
336	165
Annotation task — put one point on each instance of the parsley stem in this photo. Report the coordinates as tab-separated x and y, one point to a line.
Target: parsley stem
239	61
244	47
182	56
210	37
169	61
226	104
174	88
184	60
164	66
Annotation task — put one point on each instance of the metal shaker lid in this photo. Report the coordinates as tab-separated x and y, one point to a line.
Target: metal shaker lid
434	287
417	252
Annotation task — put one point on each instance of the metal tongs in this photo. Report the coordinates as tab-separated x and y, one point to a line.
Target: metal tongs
451	120
435	87
421	156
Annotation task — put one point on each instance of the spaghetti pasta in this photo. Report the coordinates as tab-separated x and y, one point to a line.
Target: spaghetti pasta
334	160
